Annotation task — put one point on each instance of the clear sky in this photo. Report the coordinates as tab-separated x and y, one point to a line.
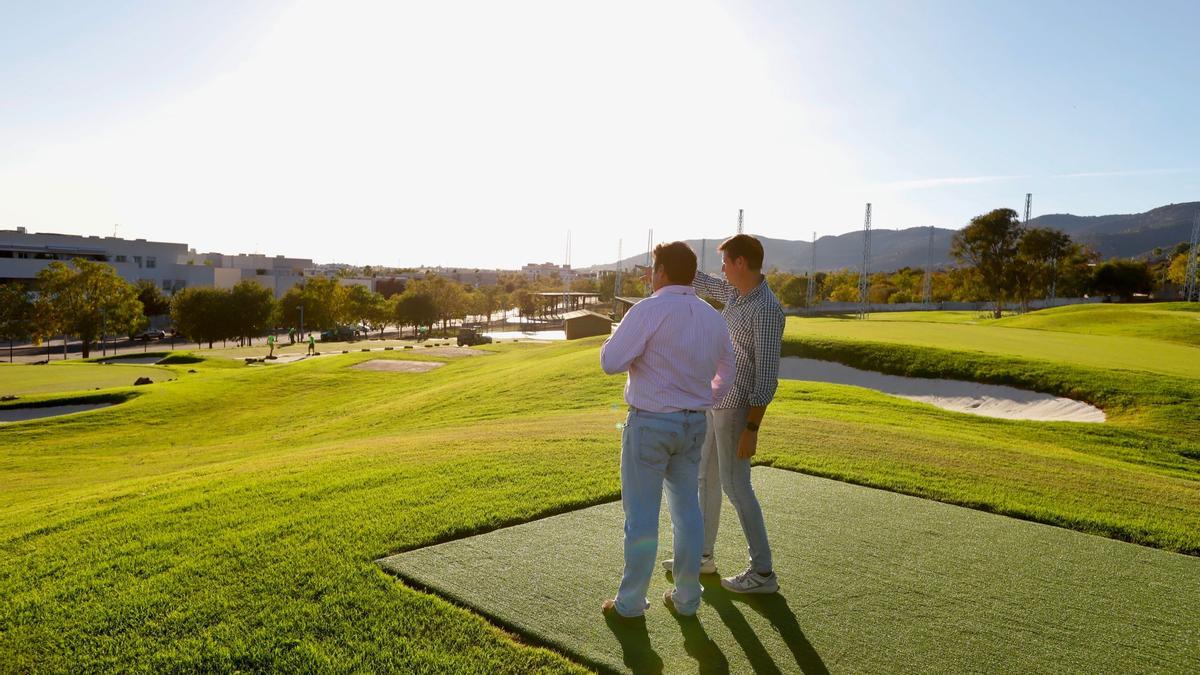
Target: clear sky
477	134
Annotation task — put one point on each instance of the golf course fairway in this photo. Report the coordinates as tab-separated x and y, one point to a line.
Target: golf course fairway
231	519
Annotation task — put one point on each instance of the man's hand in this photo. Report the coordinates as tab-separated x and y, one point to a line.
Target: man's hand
748	444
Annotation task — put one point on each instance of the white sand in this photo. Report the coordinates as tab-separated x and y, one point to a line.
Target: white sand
23	414
989	400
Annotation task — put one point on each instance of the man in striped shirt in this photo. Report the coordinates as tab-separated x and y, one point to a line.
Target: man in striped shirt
680	361
756	326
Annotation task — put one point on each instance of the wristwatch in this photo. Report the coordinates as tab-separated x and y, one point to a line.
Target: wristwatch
752	426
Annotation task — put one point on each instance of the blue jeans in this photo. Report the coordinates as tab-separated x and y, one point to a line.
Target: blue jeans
658	448
720	468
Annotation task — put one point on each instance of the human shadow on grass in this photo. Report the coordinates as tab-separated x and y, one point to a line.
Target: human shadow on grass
636	651
774	608
699	646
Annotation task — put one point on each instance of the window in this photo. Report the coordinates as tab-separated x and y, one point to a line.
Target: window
138	259
151	262
6	254
166	284
122	258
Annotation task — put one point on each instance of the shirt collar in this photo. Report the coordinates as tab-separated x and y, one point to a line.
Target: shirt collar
674	289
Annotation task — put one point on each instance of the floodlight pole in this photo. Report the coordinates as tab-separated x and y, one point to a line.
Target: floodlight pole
1191	288
739	221
927	282
811	287
617	281
864	285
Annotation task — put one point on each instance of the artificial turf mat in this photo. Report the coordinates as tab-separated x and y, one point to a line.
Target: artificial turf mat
871	581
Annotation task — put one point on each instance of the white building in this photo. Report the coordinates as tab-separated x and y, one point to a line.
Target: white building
539	270
170	266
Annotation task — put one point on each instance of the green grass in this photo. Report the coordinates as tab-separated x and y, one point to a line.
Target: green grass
19	379
852	564
1103	352
229	519
1173	321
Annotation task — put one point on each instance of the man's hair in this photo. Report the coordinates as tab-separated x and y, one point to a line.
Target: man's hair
679	261
744	246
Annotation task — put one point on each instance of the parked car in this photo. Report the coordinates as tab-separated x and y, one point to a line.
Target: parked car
146	336
339	334
471	336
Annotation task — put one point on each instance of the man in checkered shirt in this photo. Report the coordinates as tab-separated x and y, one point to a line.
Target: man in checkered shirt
756	326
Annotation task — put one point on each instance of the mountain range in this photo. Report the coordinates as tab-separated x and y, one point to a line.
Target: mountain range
1113	236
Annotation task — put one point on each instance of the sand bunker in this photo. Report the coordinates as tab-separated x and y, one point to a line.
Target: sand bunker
989	400
24	414
394	366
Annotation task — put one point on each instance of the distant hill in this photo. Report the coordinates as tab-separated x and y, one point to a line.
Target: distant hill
890	249
1123	236
1127	235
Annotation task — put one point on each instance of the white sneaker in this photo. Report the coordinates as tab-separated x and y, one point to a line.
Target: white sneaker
751	582
707	565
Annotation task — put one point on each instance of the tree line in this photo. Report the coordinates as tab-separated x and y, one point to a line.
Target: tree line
87	299
1001	262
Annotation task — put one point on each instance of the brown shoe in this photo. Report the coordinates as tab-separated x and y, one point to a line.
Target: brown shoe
609	610
669	601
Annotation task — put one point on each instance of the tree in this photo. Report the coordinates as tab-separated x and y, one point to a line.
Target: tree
1177	272
251	308
989	245
449	298
16	314
1123	278
86	299
200	313
794	292
358	302
154	301
1039	252
843	285
381	312
322	298
494	299
631	286
415	308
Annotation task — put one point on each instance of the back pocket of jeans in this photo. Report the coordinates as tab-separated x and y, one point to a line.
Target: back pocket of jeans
654	447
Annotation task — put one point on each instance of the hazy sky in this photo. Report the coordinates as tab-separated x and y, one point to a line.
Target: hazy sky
477	134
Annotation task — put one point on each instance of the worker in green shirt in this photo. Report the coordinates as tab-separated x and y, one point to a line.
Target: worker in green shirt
312	345
271	345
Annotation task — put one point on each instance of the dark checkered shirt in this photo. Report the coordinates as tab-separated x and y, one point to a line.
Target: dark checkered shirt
756	327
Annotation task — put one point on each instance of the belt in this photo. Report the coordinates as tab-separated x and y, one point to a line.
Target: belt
636	409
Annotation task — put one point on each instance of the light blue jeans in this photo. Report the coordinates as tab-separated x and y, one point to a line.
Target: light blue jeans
720	468
658	448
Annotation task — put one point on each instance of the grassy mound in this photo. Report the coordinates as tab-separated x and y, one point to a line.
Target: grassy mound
1174	321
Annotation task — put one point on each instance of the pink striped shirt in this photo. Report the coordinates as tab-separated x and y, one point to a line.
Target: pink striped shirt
677	350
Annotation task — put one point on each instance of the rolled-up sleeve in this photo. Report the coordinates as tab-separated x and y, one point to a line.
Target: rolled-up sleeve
768	339
717	289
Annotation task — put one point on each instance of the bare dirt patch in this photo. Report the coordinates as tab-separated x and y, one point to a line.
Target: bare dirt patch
395	366
449	351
